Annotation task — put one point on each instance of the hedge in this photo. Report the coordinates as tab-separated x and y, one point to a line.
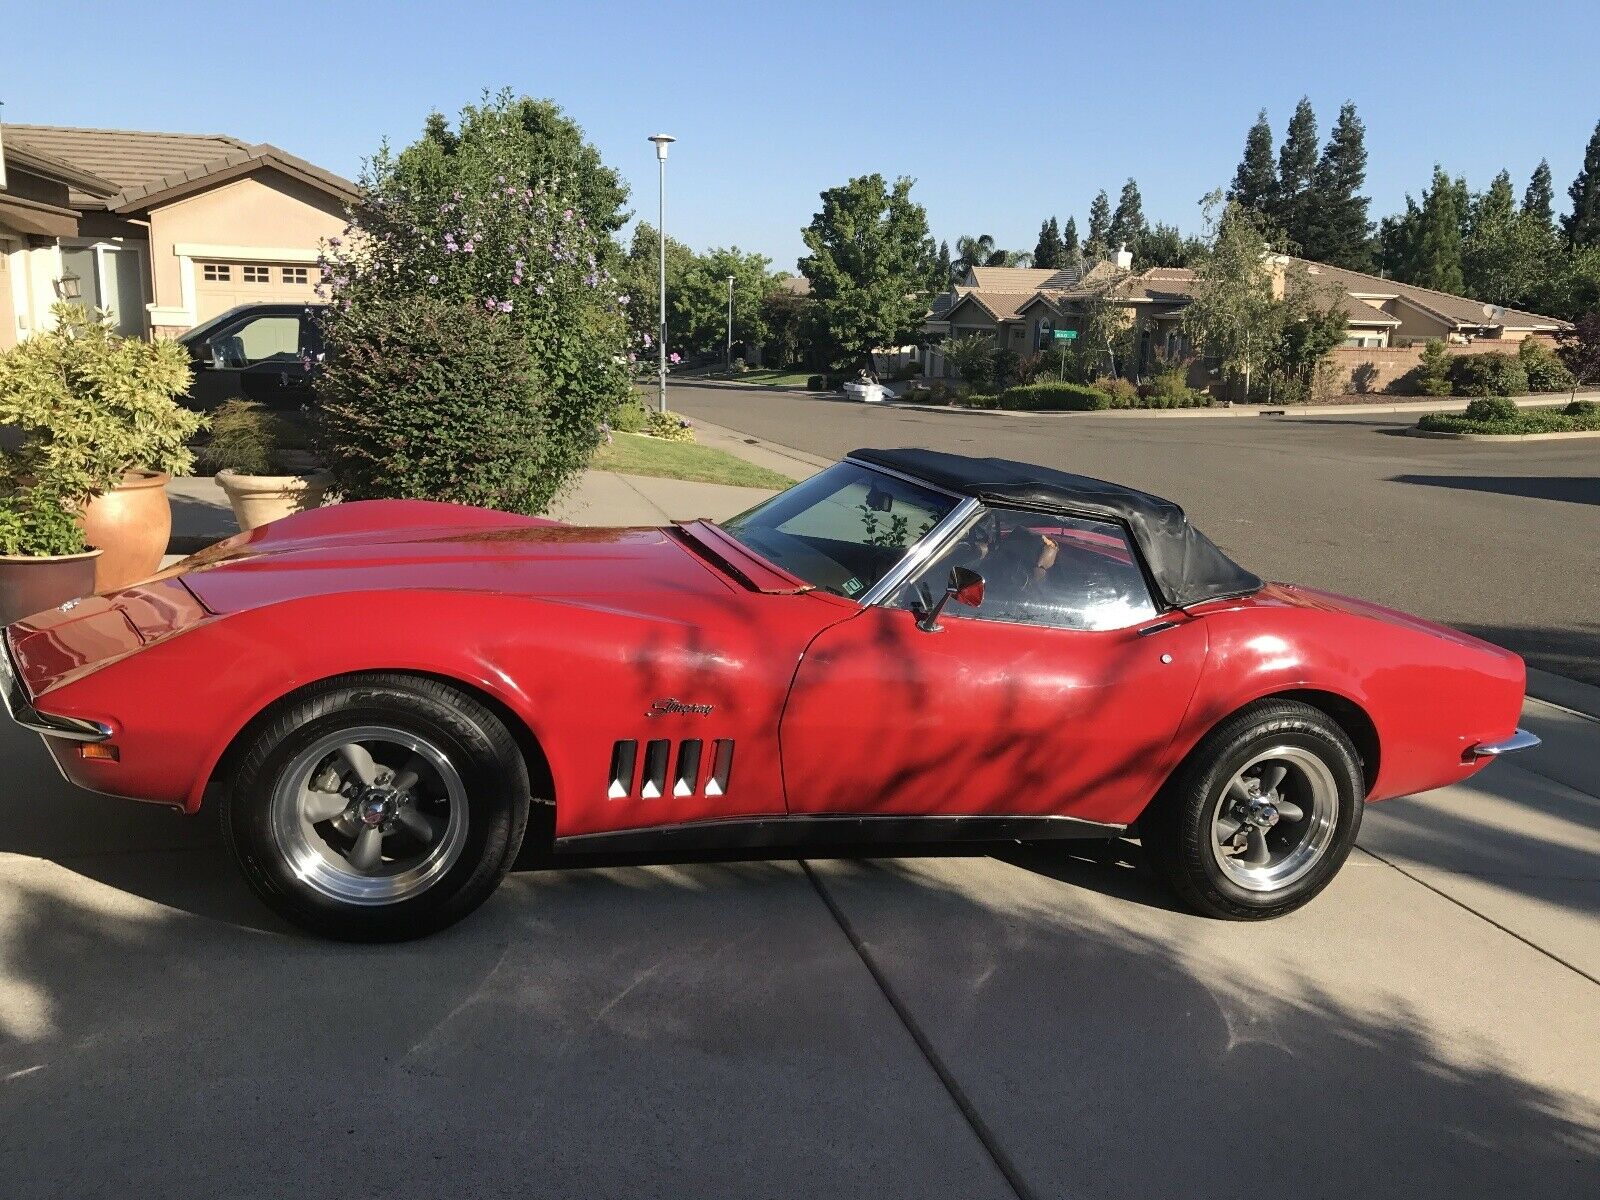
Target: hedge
1054	397
1490	416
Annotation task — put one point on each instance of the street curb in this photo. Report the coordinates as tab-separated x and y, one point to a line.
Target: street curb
1554	436
791	389
1570	694
1287	412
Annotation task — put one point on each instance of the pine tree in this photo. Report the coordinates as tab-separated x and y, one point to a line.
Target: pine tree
1539	201
1336	229
1437	262
1257	177
1297	164
1070	250
1128	225
1095	245
1048	251
942	269
1582	225
1507	256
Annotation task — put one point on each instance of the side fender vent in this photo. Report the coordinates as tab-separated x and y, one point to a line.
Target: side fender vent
686	776
623	756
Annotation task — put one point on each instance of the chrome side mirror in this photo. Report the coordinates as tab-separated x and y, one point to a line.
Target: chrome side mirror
965	587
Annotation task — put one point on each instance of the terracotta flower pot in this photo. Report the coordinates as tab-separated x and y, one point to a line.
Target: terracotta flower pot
259	499
131	524
31	585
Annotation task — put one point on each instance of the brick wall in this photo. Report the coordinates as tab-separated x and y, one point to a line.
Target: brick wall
1363	370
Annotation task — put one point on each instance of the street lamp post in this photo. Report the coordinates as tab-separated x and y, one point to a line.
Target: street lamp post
662	141
728	357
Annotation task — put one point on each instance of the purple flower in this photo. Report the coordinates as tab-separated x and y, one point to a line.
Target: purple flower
623	299
467	246
505	306
538	289
647	342
673	358
433	279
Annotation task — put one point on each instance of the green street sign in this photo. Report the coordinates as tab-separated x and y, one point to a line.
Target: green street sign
1064	335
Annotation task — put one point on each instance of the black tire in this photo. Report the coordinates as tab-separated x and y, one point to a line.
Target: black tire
1177	831
477	747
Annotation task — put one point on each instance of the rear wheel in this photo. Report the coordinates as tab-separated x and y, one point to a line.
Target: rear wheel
1262	815
378	808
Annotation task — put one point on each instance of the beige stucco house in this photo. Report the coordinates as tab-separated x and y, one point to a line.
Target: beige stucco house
162	230
1022	307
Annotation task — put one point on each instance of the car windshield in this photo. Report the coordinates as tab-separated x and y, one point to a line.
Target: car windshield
844	529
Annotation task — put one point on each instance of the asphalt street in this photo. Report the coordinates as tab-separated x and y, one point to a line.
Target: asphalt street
1501	541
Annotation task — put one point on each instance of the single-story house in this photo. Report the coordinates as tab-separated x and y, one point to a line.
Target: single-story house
162	230
1021	308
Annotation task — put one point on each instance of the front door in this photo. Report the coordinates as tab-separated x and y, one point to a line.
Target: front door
1047	700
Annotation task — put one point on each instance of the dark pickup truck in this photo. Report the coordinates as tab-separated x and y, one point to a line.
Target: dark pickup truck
261	352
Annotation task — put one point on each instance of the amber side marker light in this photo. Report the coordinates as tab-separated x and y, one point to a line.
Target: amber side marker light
99	752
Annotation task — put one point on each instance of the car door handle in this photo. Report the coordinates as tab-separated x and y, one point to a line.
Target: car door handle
1158	627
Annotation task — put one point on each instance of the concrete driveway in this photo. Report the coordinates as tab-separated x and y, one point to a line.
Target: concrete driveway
1015	1024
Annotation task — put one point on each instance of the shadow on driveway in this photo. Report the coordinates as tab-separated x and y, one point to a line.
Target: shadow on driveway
1569	489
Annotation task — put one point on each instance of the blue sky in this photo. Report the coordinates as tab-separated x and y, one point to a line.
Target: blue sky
1003	114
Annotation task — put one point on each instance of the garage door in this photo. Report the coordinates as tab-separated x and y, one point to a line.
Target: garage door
220	285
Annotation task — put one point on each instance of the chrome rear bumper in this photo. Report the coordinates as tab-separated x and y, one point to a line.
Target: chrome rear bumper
20	705
1521	740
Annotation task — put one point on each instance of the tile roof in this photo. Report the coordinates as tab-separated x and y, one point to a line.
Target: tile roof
1022	279
1459	310
1002	306
124	157
149	165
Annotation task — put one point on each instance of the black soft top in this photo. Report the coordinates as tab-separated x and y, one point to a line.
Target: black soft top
1185	565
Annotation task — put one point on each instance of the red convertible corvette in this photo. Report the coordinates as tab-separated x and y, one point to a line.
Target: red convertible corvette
909	646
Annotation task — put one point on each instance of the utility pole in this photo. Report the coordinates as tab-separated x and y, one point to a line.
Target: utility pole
662	141
728	356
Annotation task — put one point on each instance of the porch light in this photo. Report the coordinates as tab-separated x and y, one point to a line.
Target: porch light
69	286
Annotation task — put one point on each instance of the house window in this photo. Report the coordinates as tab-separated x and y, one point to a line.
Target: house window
257	275
217	273
294	274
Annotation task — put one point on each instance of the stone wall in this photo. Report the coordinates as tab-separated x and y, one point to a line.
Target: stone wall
1366	370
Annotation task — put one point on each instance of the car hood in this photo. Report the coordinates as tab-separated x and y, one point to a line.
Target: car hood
388	545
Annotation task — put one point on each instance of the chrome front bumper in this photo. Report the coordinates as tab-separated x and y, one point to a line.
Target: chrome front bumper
20	705
1521	740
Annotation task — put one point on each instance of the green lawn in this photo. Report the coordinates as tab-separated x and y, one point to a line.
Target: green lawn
760	377
632	454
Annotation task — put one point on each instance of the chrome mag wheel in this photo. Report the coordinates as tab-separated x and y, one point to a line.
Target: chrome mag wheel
370	815
1275	819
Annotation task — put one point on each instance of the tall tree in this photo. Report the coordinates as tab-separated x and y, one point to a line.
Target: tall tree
1507	255
1582	224
1128	225
1050	251
1398	239
1297	165
1164	246
943	270
981	251
1232	314
699	305
1257	177
1437	261
1071	251
870	259
1095	245
1539	200
1335	228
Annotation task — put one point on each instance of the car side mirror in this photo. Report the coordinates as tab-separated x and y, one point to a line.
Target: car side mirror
965	587
203	354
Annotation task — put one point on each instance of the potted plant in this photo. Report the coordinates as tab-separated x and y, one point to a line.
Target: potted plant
44	560
102	431
265	476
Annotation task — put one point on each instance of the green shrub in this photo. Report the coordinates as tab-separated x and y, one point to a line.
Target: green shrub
973	357
1172	383
1432	374
1545	372
35	523
1493	408
91	405
1521	421
631	416
1491	374
668	426
1120	392
1581	408
437	400
976	399
1058	397
244	438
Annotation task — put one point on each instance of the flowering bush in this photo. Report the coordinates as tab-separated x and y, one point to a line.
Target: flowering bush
668	426
484	219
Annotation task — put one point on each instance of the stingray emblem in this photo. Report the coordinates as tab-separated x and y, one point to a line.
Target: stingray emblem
668	706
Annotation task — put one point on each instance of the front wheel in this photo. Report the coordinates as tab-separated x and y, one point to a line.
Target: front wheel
1262	815
378	808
